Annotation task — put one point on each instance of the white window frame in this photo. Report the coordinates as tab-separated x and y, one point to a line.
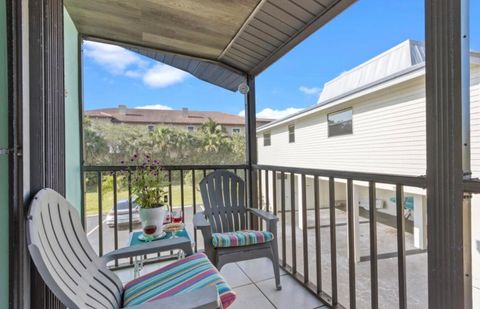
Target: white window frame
291	134
265	144
337	112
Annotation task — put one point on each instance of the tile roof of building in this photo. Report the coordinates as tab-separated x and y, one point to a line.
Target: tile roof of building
152	116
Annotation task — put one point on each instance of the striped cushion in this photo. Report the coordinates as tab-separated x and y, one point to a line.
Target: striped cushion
180	277
240	238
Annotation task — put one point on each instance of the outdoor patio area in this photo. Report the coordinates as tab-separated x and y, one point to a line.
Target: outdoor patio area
253	280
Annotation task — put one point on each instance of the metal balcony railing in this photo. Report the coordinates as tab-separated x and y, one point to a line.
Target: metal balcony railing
288	220
104	185
303	253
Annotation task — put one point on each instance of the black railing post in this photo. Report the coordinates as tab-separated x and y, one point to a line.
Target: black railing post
100	213
333	240
282	209
402	275
373	244
194	205
351	244
293	222
303	180
115	213
318	236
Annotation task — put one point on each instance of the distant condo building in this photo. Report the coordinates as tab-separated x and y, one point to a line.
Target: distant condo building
183	119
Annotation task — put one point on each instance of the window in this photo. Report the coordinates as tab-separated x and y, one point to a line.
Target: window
151	127
340	123
190	128
291	133
236	130
266	139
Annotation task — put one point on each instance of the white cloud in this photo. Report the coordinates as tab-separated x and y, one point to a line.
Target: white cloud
161	76
274	113
114	58
310	90
155	106
133	74
120	61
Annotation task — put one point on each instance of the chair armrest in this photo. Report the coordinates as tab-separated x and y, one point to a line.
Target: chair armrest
265	215
150	247
200	222
205	298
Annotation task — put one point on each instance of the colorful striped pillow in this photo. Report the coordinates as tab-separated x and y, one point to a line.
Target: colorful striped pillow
240	238
180	277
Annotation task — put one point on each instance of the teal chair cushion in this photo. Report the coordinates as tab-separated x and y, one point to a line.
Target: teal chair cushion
240	238
180	277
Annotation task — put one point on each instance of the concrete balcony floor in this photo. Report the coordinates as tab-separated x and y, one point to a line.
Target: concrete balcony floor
253	281
254	284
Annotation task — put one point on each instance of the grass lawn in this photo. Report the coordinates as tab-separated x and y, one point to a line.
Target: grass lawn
91	199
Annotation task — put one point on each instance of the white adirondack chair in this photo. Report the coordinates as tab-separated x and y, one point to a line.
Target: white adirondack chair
77	276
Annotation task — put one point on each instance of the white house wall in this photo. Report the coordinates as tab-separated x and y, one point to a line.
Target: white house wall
475	159
389	136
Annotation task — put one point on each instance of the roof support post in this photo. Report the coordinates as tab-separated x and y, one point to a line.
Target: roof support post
19	260
446	270
46	117
251	137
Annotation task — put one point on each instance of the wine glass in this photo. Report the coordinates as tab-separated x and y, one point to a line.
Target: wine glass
177	216
149	231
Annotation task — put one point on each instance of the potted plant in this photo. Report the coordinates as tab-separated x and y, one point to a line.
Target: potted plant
150	189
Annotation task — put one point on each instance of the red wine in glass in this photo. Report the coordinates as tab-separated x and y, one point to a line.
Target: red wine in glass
177	216
149	230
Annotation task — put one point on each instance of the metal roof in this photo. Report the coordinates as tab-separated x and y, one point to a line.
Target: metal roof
217	41
398	58
412	67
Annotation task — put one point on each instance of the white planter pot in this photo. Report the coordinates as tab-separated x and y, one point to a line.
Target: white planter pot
153	216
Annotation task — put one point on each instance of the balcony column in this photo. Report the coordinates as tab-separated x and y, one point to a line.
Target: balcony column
251	140
448	277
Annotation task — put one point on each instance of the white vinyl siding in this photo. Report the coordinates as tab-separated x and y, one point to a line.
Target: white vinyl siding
390	134
475	120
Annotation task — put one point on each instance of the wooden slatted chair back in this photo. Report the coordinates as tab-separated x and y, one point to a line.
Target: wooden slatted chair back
64	257
223	195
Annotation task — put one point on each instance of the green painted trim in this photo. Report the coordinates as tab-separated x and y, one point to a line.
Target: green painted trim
4	250
72	117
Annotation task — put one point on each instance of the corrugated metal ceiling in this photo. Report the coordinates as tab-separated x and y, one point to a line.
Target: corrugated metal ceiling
217	41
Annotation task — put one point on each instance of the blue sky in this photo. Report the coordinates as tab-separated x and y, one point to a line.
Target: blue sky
114	76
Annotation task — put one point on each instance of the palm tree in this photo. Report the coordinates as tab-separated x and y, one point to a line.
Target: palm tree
214	135
212	127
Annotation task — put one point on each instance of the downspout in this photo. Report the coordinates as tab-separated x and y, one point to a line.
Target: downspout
466	151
